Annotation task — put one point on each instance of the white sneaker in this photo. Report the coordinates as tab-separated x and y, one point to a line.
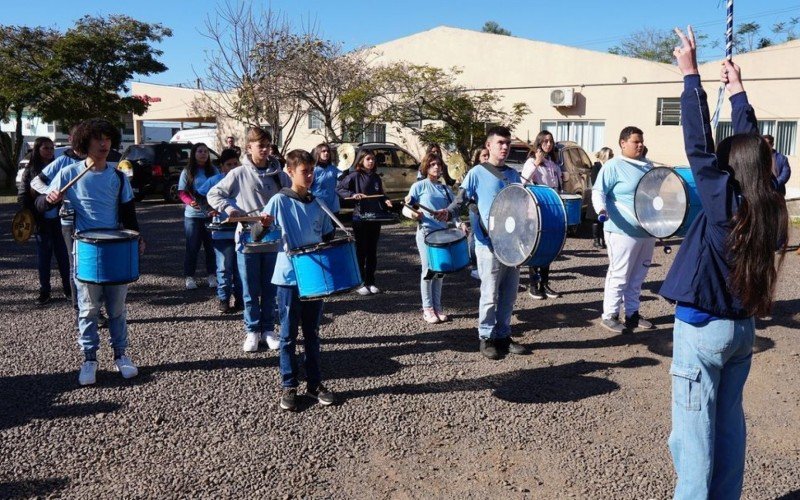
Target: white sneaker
250	342
88	374
374	289
475	275
125	367
272	339
429	316
212	281
363	291
191	284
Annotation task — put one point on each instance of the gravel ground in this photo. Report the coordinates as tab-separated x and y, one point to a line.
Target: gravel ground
422	414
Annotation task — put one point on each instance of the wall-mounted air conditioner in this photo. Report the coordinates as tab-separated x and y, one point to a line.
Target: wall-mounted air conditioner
562	98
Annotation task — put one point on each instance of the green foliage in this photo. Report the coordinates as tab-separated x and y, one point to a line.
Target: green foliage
494	28
652	45
456	117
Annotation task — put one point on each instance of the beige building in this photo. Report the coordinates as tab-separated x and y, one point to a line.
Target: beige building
577	94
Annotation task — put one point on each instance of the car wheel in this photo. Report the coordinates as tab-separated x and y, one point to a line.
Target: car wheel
171	193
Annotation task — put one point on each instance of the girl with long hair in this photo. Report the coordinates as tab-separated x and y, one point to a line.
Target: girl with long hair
435	149
361	182
431	193
325	177
195	214
723	276
49	241
542	168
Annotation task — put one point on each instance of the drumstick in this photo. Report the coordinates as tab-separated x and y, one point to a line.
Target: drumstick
73	181
366	196
243	219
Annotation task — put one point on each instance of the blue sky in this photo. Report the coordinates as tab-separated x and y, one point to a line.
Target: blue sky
590	24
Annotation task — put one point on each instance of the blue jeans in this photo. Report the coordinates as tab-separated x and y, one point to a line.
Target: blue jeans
295	313
499	285
90	298
229	281
258	291
710	364
49	241
431	289
196	236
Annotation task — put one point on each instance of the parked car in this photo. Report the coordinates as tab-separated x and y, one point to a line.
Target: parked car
577	169
397	167
156	168
113	156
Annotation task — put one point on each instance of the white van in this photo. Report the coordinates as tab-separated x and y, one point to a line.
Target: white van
208	136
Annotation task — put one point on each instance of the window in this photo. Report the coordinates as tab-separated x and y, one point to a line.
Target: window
405	160
315	119
589	135
375	132
785	133
383	157
668	111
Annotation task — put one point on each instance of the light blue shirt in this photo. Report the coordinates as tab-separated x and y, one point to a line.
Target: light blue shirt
50	172
434	195
617	181
301	224
481	186
95	197
203	190
199	179
324	186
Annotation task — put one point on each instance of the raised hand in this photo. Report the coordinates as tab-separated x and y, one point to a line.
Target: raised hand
731	77
686	54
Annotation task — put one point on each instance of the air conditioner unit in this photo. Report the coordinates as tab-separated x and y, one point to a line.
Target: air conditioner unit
563	97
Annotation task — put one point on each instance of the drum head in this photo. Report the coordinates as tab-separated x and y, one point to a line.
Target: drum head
101	235
443	237
661	202
514	225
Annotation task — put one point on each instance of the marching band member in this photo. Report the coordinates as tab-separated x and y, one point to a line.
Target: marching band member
229	282
195	215
630	248
498	282
431	193
102	199
325	177
244	190
724	274
363	181
302	222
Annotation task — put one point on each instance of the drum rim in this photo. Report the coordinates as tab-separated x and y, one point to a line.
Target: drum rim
316	246
685	191
444	245
130	235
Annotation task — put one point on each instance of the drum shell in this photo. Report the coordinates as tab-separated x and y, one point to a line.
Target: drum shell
553	226
107	261
327	269
447	257
271	242
572	207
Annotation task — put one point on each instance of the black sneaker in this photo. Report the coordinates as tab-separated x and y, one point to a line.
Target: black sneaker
489	350
613	325
322	395
238	305
102	320
223	307
289	399
636	321
508	345
44	298
536	292
550	292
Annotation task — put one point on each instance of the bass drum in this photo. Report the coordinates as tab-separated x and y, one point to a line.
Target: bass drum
527	225
666	201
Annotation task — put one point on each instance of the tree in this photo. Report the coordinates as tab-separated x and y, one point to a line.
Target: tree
494	28
244	77
86	87
27	78
456	116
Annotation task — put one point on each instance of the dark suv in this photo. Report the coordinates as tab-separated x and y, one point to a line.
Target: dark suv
397	167
157	168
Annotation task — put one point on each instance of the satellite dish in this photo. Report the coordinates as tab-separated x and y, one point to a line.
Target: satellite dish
347	155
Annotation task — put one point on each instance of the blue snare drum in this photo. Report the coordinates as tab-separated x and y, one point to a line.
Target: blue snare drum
666	201
527	225
326	268
447	250
268	242
107	256
572	206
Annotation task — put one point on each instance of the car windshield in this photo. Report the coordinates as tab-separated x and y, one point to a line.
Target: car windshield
140	153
